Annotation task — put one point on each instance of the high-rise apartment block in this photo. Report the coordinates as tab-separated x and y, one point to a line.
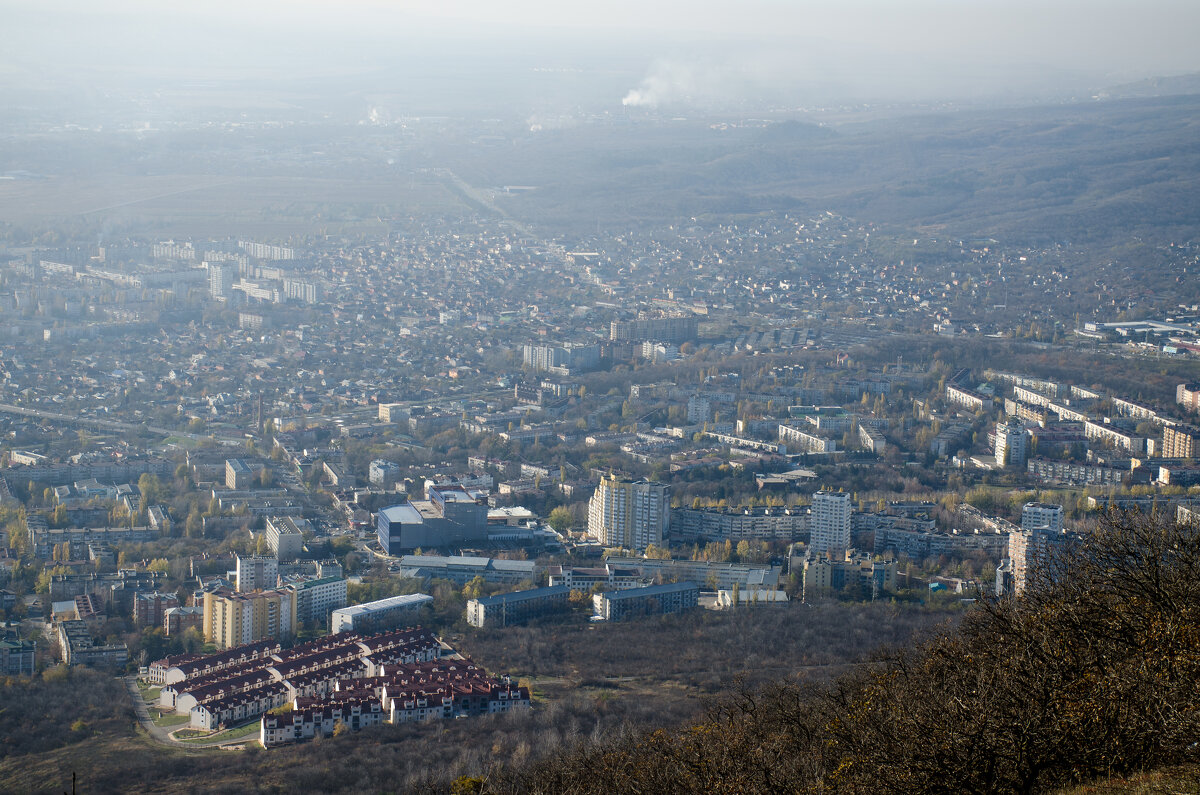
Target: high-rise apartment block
829	524
316	599
627	513
562	358
1181	441
231	619
301	291
1042	516
1034	555
266	250
1011	444
1188	396
256	573
699	410
220	280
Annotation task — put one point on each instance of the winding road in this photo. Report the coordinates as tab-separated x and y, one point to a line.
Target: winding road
163	735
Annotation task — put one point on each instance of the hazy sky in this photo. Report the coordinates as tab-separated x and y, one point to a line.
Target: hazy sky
670	53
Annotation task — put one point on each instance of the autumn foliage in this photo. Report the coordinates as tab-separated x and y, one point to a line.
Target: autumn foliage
1093	673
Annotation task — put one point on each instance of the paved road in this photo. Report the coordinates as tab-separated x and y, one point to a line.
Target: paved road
139	706
163	735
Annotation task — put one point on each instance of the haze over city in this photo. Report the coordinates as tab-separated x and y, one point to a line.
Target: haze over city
541	397
528	57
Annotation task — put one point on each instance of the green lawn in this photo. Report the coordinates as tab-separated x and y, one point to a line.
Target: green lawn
169	720
229	734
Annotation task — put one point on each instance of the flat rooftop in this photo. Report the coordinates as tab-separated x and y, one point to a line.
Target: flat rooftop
404	513
405	600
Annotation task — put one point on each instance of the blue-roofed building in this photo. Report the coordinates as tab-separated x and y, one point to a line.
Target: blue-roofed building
451	517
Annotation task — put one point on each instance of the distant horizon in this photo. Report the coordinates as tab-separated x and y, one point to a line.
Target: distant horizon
536	57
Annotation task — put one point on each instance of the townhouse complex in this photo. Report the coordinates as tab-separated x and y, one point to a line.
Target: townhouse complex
358	679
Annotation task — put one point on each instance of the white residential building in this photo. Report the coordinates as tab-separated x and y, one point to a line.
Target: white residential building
256	573
1042	516
627	513
285	536
830	522
1011	444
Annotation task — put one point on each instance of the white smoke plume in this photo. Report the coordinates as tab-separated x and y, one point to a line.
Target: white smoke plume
705	81
669	82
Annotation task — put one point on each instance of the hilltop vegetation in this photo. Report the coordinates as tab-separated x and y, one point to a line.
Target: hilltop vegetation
1090	676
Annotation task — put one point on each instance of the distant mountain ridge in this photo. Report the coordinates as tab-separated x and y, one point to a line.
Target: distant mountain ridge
1153	87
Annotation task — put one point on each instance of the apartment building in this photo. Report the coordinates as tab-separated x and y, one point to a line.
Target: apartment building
1072	473
1116	435
649	601
316	599
461	569
1012	446
665	329
713	576
1181	441
829	522
849	568
379	615
607	577
78	647
149	607
737	525
1034	555
233	618
629	514
1188	396
256	573
502	610
238	474
802	441
384	474
285	536
177	620
16	656
968	399
919	544
1042	516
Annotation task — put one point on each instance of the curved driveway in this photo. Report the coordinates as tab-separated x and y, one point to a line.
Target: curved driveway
164	735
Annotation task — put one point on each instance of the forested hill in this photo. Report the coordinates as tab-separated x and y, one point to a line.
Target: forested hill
1091	677
1088	171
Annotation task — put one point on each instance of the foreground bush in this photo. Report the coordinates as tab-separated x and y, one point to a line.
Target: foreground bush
1093	673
